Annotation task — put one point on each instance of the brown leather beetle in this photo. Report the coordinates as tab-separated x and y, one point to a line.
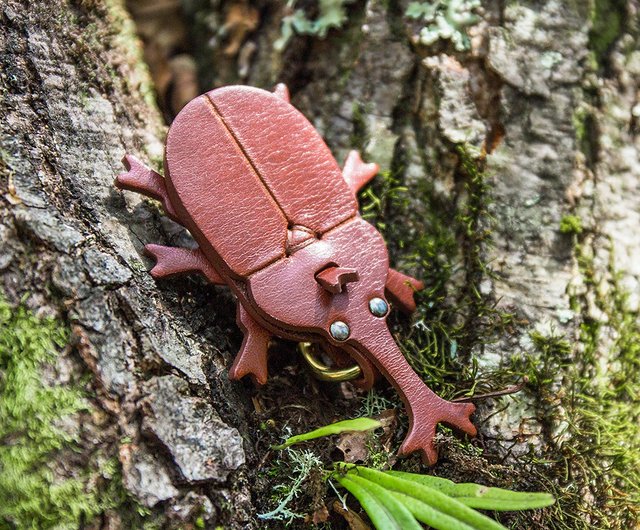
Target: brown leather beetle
277	221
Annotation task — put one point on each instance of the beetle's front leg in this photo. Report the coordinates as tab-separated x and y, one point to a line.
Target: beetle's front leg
141	179
252	357
400	289
356	172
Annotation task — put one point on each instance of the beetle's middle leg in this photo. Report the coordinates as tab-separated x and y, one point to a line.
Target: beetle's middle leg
252	357
172	261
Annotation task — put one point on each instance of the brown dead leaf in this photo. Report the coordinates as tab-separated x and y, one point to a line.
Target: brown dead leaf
354	445
388	418
320	515
494	138
241	19
257	404
354	521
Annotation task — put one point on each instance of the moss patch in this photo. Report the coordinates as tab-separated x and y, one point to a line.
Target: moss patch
31	415
603	407
607	24
587	395
571	224
41	485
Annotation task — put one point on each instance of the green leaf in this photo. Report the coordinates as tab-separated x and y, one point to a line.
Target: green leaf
429	496
358	424
478	496
384	510
378	514
429	515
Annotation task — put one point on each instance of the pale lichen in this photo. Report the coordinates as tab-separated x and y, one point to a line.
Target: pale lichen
446	20
331	14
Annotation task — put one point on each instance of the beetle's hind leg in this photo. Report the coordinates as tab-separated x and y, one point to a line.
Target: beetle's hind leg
140	179
356	172
401	288
252	358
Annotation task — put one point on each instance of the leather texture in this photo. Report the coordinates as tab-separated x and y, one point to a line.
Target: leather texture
277	221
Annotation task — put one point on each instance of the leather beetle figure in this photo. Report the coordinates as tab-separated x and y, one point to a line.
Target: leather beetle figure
277	221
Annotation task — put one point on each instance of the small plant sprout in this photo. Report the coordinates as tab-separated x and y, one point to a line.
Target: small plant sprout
400	500
394	499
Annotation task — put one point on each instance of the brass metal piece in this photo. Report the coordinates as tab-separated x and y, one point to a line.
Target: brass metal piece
324	372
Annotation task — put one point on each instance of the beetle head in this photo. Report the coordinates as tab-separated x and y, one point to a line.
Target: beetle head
330	287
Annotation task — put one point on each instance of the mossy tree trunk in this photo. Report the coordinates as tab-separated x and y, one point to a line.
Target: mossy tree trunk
510	182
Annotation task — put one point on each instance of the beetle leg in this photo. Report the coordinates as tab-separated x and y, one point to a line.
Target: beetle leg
171	261
401	288
252	357
282	91
356	172
141	179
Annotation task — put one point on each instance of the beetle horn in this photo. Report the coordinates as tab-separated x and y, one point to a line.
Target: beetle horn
425	409
334	278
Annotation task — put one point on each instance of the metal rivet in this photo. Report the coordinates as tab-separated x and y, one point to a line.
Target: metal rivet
339	330
378	307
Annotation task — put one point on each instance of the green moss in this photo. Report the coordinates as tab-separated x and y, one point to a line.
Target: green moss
587	395
385	193
604	412
607	24
360	135
541	369
31	415
571	224
586	131
436	237
39	486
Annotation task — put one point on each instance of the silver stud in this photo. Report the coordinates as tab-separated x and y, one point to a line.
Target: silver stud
378	307
339	330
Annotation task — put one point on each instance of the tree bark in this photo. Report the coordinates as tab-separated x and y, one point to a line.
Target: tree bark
519	156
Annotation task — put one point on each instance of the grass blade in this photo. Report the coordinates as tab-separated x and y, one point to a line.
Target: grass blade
396	515
376	511
429	515
478	496
429	496
358	424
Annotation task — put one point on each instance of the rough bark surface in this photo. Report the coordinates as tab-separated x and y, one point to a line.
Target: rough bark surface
72	105
530	252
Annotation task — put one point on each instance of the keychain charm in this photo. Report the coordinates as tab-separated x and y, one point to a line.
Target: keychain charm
277	221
